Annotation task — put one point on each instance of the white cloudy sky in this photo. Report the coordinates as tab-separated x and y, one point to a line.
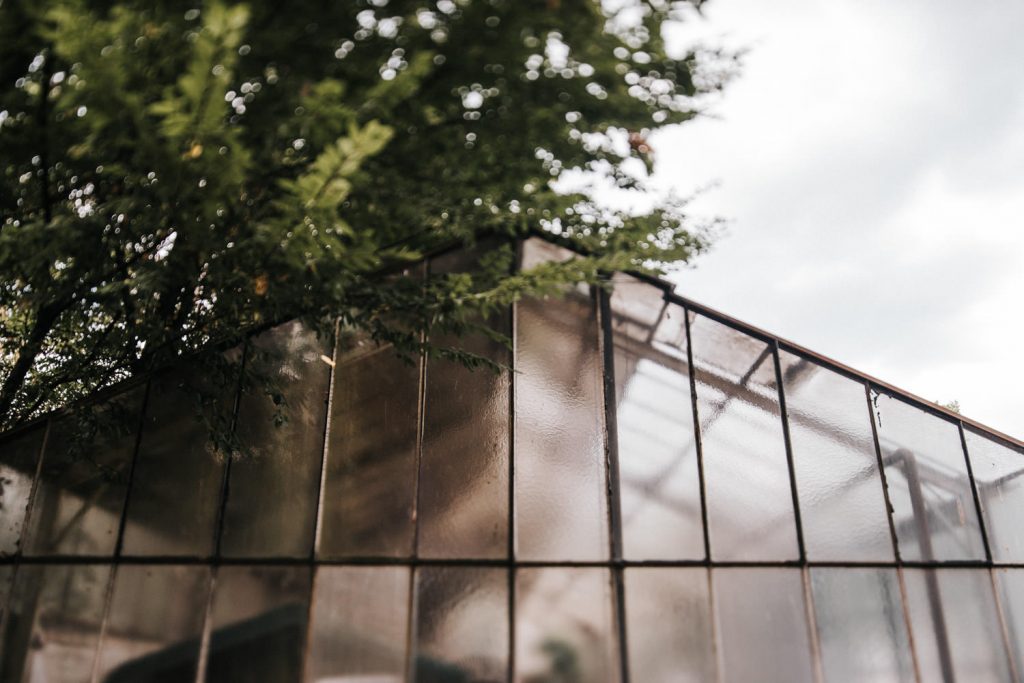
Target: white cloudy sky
871	161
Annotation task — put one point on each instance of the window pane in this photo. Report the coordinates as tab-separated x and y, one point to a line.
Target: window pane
54	624
842	505
749	500
258	624
659	483
565	629
669	625
861	629
154	624
761	624
359	625
272	492
955	624
177	480
83	481
461	624
369	487
1011	598
999	476
560	483
933	506
19	459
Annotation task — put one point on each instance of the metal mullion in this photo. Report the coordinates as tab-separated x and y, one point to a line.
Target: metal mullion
881	473
207	632
510	559
697	438
607	347
107	599
1004	630
812	624
911	642
225	484
974	493
412	610
797	518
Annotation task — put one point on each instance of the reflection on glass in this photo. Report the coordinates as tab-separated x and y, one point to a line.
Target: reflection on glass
999	477
177	479
19	458
54	623
669	625
955	625
749	500
272	492
359	625
659	483
463	492
761	623
369	486
861	629
930	493
154	624
565	626
842	505
1010	584
561	506
461	624
83	481
258	624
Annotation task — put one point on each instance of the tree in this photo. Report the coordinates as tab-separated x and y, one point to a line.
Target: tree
174	176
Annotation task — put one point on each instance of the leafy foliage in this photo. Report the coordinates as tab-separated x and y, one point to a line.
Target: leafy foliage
174	176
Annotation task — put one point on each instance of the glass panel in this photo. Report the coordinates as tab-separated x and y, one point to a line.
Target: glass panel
1011	598
461	624
842	505
560	483
565	629
669	625
83	481
933	506
999	477
369	487
359	625
54	624
258	624
761	624
177	480
272	492
659	483
861	629
19	459
155	624
749	500
955	625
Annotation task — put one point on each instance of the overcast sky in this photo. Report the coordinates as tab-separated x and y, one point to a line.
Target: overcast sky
870	159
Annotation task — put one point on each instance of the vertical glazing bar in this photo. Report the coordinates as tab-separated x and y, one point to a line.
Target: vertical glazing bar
131	467
513	335
611	445
885	486
974	493
907	621
225	484
789	452
410	642
698	443
812	626
1004	630
207	632
112	576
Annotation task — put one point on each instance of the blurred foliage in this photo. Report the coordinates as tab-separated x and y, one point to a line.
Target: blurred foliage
177	174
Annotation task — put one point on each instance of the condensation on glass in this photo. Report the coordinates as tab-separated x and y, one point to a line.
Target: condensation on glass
461	629
83	480
359	624
658	479
19	460
930	492
273	486
463	488
862	632
177	478
369	494
154	624
842	503
955	622
761	625
746	474
54	621
999	478
258	624
565	625
560	486
669	625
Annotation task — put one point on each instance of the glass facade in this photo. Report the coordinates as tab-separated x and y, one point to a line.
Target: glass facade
655	493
